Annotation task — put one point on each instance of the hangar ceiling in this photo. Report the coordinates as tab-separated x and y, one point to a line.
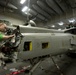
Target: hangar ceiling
40	10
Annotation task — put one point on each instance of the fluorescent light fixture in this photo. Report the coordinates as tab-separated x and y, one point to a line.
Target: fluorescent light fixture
60	23
59	29
25	9
53	26
71	20
22	1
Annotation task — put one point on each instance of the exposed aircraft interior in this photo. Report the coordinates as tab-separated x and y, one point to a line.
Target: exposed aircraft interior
37	37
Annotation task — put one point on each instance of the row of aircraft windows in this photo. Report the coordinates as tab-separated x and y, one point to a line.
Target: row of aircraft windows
28	45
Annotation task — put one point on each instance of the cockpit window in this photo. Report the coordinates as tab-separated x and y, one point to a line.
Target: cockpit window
72	31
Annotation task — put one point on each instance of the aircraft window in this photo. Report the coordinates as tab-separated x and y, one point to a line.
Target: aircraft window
45	45
27	46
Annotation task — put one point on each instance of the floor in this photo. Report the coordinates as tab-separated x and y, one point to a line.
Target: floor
67	66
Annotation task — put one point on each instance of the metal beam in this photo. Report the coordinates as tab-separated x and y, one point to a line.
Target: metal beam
40	11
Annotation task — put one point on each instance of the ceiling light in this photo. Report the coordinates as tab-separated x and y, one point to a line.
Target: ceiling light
71	20
59	29
26	13
25	9
53	26
22	1
60	23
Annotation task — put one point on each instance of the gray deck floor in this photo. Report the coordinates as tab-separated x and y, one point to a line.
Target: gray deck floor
67	66
47	67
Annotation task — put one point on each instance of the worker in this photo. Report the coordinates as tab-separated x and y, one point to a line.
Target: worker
3	29
3	37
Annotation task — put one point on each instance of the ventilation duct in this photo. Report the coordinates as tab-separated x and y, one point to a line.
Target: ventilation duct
41	11
54	6
45	7
9	5
62	5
